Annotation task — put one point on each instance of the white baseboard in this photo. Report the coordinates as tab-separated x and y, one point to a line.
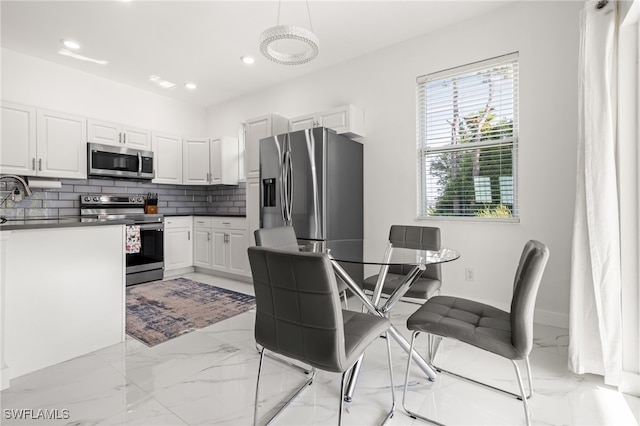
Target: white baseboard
551	318
224	274
630	383
180	271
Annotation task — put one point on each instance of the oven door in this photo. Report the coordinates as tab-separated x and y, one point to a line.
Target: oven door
105	160
148	264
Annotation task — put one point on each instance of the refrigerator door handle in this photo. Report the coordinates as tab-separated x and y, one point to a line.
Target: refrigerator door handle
283	187
287	183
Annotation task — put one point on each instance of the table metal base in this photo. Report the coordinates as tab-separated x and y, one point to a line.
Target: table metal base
393	332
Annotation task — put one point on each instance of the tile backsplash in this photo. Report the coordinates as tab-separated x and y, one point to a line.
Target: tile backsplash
172	199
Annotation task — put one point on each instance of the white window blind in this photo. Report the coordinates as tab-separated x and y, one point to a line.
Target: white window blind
468	140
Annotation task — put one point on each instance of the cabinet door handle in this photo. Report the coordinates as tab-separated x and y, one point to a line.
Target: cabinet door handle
33	163
189	235
208	236
119	137
40	164
124	137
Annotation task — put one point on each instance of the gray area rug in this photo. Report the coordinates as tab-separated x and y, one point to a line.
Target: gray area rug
161	310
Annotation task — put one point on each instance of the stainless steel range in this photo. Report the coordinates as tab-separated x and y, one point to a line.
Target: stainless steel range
148	263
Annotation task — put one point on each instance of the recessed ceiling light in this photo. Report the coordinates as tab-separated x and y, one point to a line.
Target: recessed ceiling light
73	55
162	83
248	59
71	44
190	86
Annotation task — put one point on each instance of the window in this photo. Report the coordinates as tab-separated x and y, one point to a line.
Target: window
468	141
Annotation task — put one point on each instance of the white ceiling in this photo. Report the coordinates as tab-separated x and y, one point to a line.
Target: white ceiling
202	41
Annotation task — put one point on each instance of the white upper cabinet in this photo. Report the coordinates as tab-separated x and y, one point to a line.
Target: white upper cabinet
256	129
137	138
115	134
167	151
347	120
224	160
61	145
195	161
43	143
304	122
18	140
210	161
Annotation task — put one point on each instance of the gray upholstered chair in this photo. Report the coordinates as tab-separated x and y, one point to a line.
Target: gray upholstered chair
298	315
419	237
508	334
284	237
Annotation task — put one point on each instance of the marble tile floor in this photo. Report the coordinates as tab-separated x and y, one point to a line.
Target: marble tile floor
208	377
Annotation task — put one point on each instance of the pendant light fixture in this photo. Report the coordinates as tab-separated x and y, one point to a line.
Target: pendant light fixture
271	36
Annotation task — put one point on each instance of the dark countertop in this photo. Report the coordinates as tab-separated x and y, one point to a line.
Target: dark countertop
57	222
205	214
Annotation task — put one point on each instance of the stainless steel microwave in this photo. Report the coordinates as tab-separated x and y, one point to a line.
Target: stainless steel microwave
119	162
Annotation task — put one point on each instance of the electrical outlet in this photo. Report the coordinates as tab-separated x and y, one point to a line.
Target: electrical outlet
469	274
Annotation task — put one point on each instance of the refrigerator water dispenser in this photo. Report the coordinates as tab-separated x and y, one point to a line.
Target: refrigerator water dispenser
269	192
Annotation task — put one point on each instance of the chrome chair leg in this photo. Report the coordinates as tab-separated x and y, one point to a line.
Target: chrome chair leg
343	385
486	385
393	393
286	404
413	414
432	342
530	377
255	406
527	414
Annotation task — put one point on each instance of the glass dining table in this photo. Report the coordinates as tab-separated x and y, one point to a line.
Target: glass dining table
382	254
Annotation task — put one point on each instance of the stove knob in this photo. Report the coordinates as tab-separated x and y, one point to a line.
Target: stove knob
87	199
96	199
139	199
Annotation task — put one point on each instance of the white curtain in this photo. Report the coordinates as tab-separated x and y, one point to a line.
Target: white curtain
595	330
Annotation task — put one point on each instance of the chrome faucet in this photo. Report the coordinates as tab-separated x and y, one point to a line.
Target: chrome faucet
27	190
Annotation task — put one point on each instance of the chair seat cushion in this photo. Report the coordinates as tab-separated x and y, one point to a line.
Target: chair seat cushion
423	288
475	323
360	330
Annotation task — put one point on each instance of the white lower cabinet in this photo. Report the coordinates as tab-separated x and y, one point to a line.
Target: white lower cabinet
230	245
220	244
178	245
237	248
253	208
202	242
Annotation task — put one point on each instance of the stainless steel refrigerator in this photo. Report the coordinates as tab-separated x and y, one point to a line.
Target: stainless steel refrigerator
312	180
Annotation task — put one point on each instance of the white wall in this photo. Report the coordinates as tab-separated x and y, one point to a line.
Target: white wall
31	81
383	84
